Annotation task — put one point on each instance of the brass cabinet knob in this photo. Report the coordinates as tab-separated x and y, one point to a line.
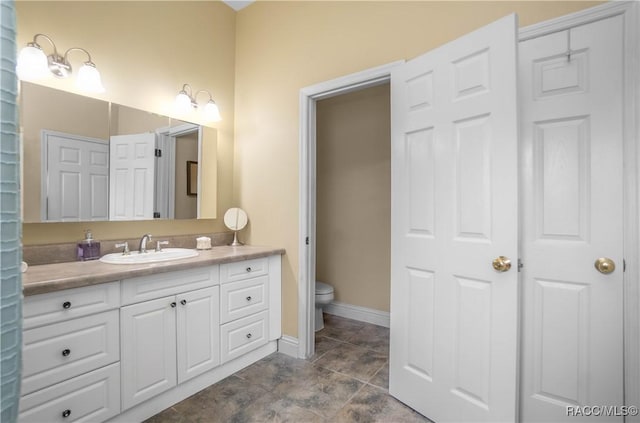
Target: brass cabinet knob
502	264
605	265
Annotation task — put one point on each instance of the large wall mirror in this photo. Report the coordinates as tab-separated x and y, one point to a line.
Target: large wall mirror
90	160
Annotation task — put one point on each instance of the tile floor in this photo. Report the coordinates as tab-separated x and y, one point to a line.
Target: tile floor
345	381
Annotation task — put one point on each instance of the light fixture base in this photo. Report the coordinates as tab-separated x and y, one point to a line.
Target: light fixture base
58	67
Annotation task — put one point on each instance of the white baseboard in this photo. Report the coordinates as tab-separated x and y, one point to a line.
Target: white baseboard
288	345
361	314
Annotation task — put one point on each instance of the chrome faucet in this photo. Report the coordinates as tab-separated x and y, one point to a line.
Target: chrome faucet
143	243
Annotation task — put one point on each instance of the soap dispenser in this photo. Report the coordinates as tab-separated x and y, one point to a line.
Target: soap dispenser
88	248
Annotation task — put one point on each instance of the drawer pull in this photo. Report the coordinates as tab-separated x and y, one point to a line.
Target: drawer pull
248	336
173	304
66	305
183	302
248	269
66	352
66	413
249	298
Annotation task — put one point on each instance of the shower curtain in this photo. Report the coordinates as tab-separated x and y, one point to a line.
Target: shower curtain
10	224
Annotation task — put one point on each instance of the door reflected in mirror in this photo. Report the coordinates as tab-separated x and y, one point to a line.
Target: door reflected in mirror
90	160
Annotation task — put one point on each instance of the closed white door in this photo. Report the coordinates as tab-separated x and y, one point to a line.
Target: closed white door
76	180
454	210
198	318
132	176
572	213
148	356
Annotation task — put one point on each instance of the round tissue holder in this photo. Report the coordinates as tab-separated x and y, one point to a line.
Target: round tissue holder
203	243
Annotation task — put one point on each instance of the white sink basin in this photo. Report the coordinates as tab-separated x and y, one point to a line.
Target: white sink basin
151	256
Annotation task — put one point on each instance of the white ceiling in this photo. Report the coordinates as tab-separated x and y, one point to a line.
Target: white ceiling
238	4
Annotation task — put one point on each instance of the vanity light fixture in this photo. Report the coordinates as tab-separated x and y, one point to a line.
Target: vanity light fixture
186	100
33	64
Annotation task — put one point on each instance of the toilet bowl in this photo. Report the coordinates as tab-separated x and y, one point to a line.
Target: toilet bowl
324	296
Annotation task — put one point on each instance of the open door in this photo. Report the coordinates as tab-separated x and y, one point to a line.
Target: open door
131	176
454	298
76	181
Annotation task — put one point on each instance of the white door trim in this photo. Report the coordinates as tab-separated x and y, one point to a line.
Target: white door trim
307	229
630	11
173	133
309	96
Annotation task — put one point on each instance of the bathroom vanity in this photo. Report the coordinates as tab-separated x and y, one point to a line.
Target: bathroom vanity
123	342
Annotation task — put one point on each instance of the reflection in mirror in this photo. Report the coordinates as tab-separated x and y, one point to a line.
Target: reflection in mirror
65	139
134	135
101	161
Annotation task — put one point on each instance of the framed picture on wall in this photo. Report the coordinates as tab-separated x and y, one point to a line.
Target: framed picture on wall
192	178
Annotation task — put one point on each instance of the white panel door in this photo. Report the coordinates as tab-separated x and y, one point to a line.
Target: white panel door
454	210
572	211
148	340
76	179
198	332
132	176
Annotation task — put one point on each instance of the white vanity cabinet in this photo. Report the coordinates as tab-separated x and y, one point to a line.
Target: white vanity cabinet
123	351
71	354
168	340
244	295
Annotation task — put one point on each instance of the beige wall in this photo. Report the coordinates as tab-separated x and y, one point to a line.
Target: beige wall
284	46
353	177
127	120
145	51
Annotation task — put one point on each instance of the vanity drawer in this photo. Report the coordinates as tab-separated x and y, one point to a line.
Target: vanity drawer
52	307
93	397
243	335
64	350
241	270
243	298
146	288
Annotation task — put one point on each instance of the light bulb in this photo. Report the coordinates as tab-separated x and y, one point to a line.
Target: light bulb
183	103
211	112
88	79
32	63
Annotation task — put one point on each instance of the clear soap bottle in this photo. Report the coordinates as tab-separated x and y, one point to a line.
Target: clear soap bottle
88	248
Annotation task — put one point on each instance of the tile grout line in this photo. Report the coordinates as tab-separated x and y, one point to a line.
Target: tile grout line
350	398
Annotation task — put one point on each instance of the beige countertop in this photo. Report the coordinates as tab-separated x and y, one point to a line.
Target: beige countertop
54	277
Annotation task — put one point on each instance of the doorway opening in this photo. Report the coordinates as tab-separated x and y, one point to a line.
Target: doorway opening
308	248
353	205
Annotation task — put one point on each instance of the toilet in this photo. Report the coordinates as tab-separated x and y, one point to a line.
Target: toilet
324	296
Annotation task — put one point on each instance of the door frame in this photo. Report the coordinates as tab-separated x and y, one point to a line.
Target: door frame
307	177
378	75
168	138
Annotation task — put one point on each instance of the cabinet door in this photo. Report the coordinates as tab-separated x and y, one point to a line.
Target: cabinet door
148	360
198	332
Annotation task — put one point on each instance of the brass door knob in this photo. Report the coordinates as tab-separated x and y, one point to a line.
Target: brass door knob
605	265
501	264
